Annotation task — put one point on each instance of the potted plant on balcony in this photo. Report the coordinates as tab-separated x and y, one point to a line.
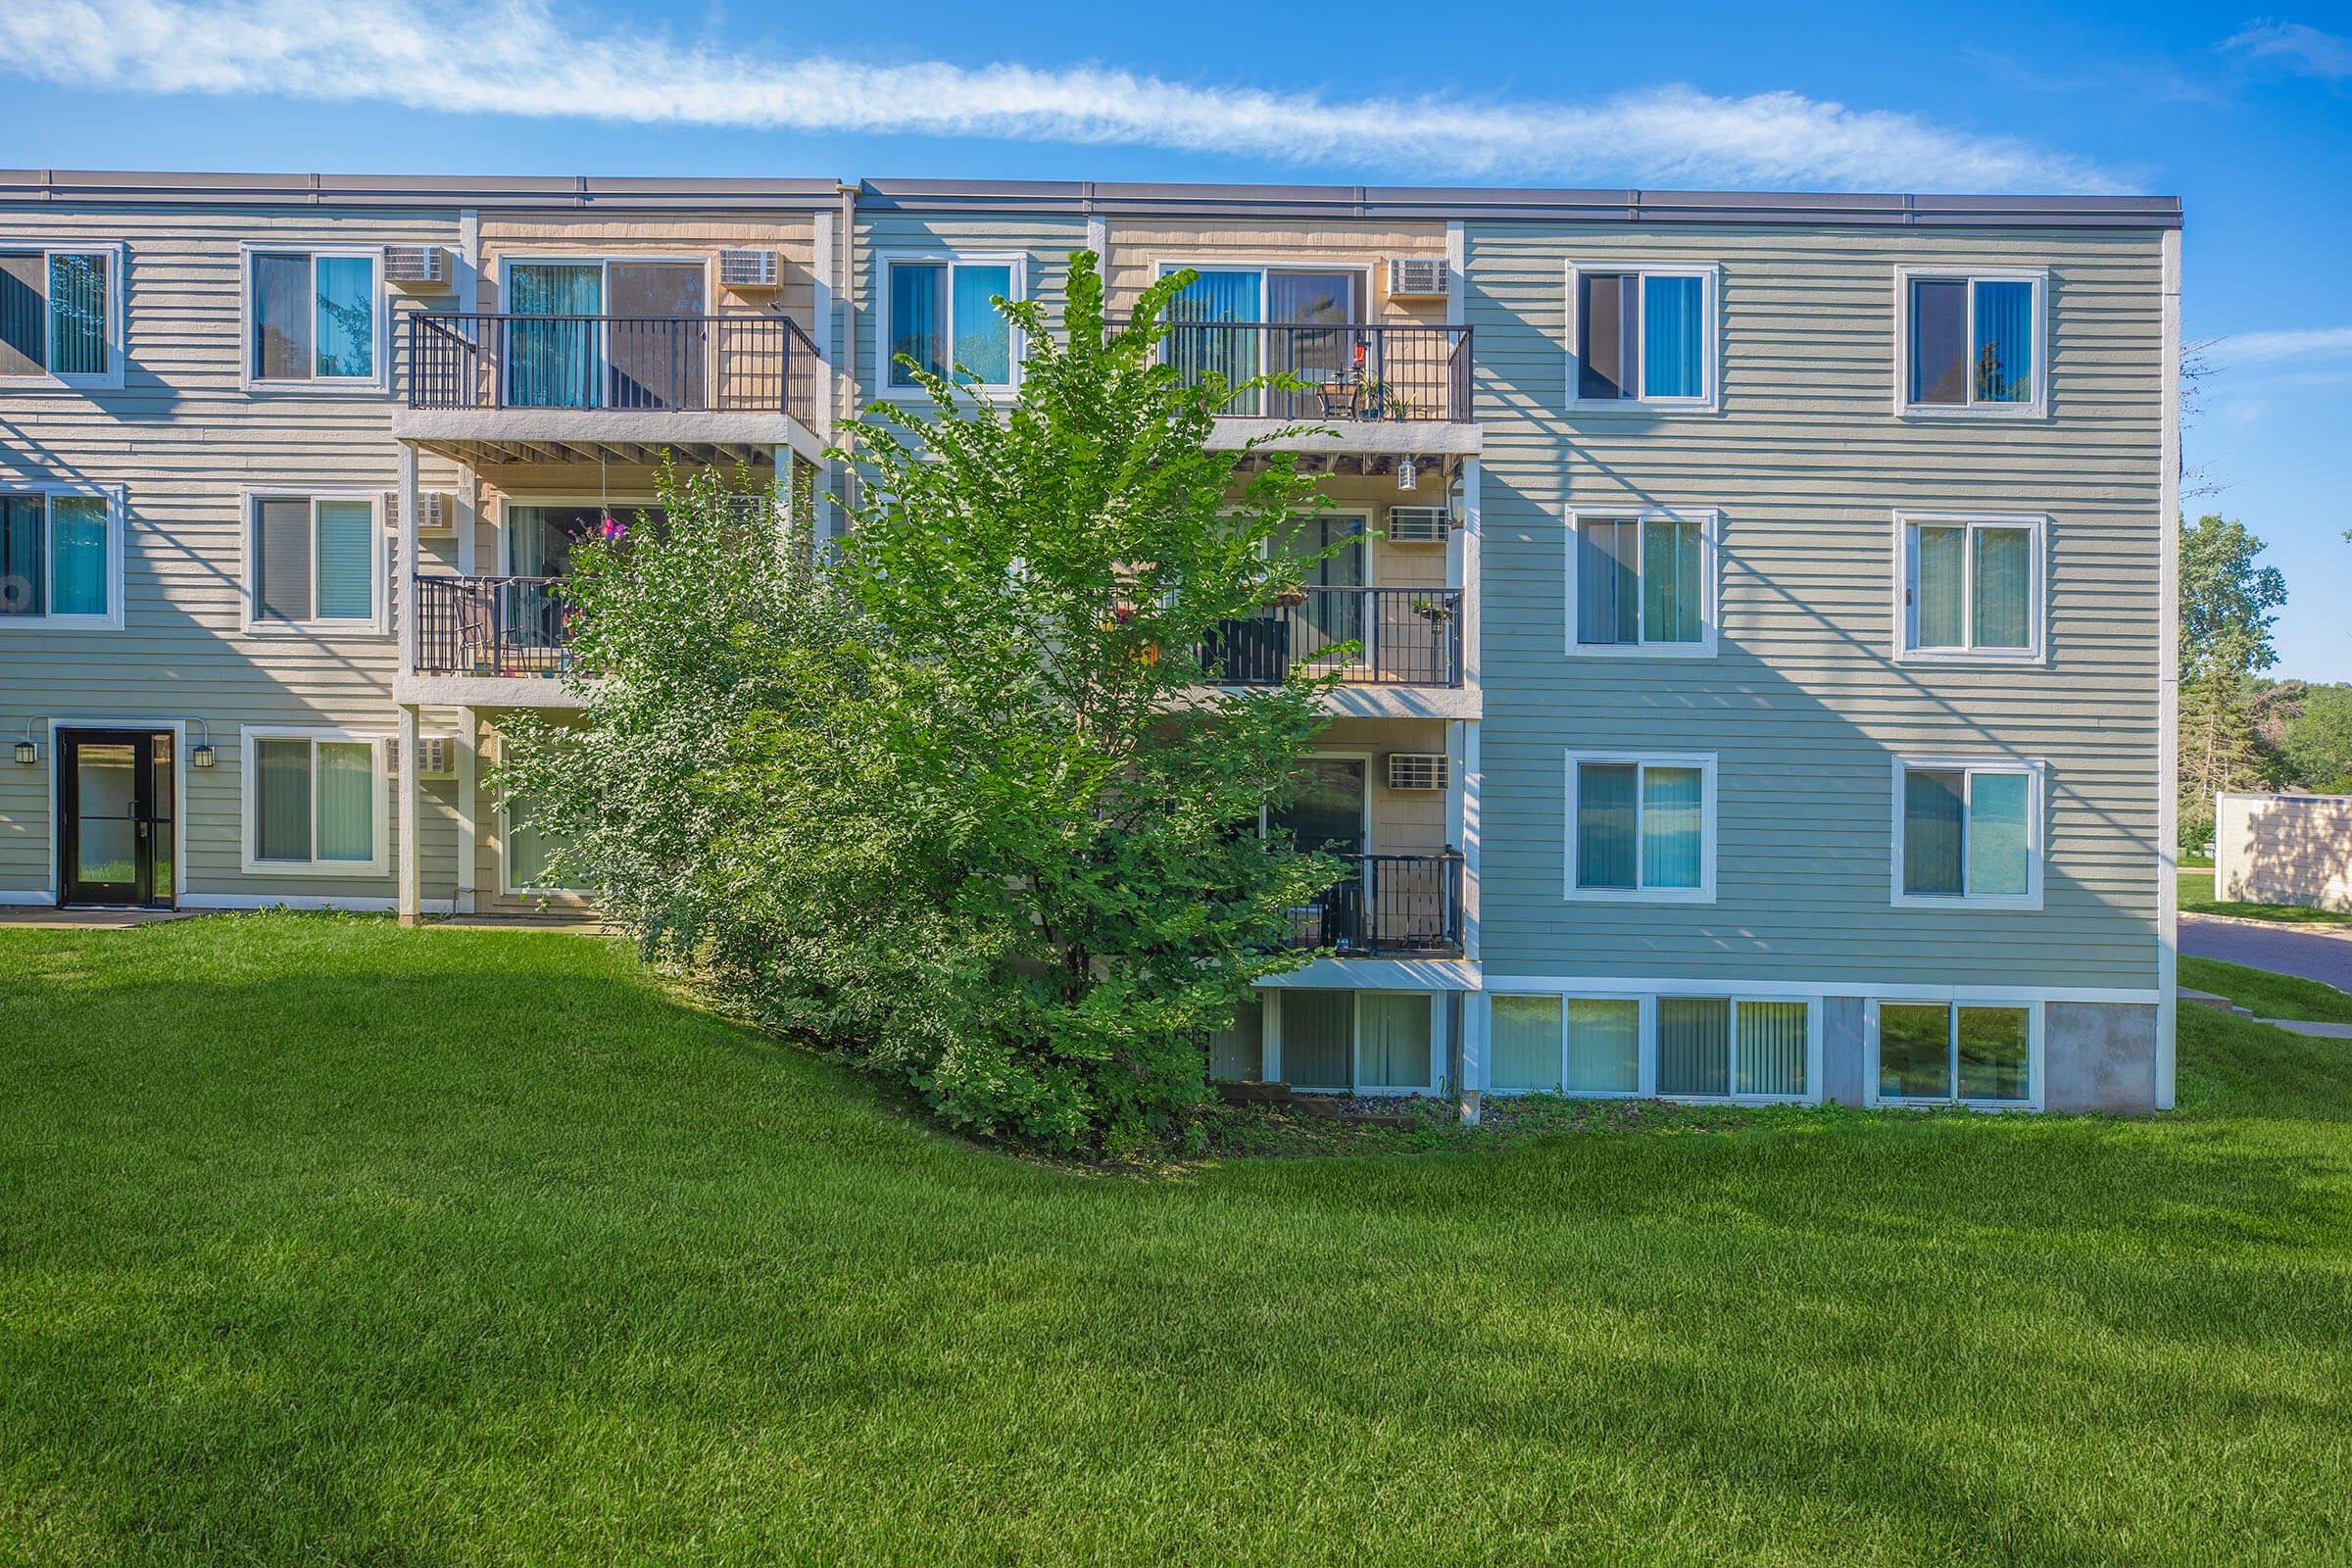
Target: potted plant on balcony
1433	610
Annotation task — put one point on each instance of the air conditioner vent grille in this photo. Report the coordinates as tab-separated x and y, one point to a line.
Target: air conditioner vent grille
1418	525
1424	278
416	265
435	510
747	269
1416	770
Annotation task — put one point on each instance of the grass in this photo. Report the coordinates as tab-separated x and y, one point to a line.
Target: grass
324	1243
2196	898
2269	995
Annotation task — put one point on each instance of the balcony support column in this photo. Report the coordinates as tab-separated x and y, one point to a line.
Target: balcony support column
410	894
404	559
470	737
1477	1029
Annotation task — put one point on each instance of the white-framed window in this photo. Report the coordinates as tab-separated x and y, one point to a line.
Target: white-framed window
1967	833
1642	827
1355	1041
316	316
935	310
316	802
1972	341
314	560
526	856
61	313
1676	1046
1641	582
1643	336
1987	1054
1970	587
61	557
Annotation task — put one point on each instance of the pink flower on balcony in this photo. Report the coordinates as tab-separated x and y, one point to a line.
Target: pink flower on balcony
614	530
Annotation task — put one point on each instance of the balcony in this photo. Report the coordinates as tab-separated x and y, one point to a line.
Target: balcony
479	638
1406	637
1388	907
1377	392
489	388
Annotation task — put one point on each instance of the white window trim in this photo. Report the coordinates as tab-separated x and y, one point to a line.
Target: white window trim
249	334
255	623
1704	893
249	790
115	336
1710	522
602	262
1710	354
118	511
1908	648
2035	408
884	261
2037	776
2036	1058
1646	1055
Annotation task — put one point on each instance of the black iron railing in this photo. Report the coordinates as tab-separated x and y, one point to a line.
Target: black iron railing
747	363
492	627
1387	905
1349	372
1405	637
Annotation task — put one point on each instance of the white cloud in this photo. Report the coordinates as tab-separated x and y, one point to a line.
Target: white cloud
517	57
2302	343
2304	50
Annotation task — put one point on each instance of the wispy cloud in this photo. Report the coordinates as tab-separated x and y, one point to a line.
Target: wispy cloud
2302	343
2304	50
520	57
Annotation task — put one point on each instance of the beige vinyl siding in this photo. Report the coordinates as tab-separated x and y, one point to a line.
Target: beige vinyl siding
184	438
792	237
1804	706
1137	249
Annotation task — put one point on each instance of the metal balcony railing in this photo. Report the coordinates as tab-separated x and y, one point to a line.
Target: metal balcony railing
1407	637
1351	372
745	363
491	626
1387	905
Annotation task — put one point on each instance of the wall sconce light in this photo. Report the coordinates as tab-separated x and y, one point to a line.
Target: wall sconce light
28	750
1408	477
202	752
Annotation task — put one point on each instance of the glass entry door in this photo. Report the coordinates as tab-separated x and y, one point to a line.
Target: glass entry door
1327	812
115	817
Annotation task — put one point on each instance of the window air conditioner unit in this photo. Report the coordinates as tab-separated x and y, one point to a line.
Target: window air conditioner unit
1416	770
416	265
747	269
436	757
435	510
1418	525
1417	278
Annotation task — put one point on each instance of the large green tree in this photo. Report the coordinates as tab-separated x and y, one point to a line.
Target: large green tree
953	794
2227	605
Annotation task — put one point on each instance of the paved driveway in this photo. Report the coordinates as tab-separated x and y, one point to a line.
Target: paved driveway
2281	949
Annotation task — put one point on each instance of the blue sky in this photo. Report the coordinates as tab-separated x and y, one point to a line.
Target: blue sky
2247	116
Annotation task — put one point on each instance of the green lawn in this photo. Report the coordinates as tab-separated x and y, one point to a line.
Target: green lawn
2196	898
323	1242
2269	995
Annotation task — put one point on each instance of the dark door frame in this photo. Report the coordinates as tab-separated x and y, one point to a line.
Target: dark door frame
146	811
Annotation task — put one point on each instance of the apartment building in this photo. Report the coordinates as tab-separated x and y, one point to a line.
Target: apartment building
1764	674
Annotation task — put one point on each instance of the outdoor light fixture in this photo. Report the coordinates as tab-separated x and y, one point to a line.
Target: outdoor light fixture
28	750
1408	477
201	754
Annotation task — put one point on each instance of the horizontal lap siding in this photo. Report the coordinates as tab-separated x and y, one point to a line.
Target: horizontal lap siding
183	438
1045	242
1805	705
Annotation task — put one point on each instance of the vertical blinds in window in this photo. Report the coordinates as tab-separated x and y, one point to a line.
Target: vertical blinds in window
282	591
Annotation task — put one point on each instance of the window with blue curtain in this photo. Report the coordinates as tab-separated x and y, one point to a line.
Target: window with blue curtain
345	301
1609	580
1607	807
918	320
1673	580
1997	834
983	337
1672	827
24	555
77	328
2004	342
1673	334
1939	592
1211	334
77	555
346	561
555	364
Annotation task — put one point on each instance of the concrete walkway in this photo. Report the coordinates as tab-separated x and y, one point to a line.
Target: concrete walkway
46	917
2324	956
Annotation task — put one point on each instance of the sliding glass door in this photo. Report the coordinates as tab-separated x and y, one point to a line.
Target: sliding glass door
557	363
